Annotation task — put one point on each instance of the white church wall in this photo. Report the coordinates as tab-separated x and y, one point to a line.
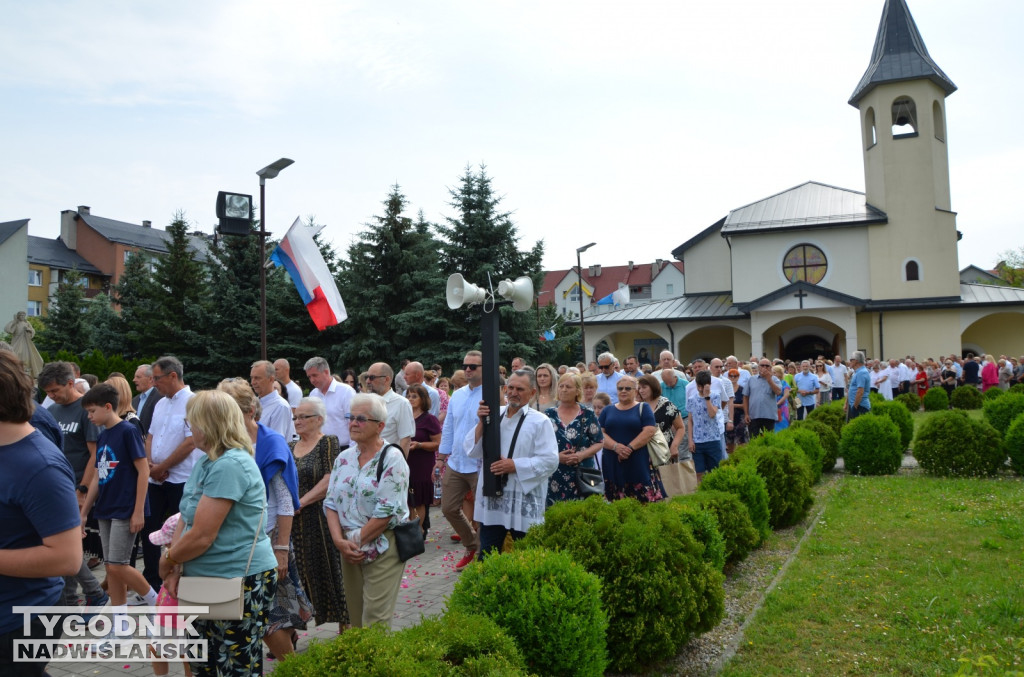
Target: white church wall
758	261
708	266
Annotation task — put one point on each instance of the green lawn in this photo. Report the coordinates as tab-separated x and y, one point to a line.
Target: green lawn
901	575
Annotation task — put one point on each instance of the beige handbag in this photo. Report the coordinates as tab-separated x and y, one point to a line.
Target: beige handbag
223	597
678	478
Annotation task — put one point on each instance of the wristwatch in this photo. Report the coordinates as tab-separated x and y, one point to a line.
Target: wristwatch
707	397
82	489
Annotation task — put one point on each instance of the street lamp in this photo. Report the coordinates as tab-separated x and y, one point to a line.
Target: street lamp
579	284
268	172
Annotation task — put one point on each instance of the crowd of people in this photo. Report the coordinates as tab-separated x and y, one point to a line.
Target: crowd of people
298	496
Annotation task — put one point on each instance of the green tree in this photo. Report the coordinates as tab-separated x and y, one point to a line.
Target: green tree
392	290
180	281
1011	267
104	325
65	323
481	243
136	295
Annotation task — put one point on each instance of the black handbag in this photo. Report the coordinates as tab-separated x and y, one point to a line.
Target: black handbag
589	481
408	535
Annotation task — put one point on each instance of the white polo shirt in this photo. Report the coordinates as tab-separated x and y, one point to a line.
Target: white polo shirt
400	423
277	415
337	401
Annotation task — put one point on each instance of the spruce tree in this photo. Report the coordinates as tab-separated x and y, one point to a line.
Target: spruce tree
480	240
65	322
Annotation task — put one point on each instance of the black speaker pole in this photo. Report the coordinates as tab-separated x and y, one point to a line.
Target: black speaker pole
492	434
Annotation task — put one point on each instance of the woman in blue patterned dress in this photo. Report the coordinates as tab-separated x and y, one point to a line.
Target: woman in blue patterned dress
578	435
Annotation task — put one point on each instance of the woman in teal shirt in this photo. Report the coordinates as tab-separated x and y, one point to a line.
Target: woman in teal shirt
222	507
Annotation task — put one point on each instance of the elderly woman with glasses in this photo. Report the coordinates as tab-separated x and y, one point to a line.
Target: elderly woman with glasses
628	426
363	511
317	559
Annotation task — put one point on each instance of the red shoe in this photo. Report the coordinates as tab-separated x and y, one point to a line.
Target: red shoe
456	538
466	561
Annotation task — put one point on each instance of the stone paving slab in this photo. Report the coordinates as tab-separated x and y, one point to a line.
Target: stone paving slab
426	584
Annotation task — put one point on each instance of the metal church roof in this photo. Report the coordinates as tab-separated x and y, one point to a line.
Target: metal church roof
715	306
899	54
809	205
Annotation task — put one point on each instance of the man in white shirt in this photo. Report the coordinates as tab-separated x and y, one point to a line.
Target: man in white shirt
277	412
525	469
724	415
414	376
839	372
400	426
461	476
337	398
732	362
293	393
171	453
607	377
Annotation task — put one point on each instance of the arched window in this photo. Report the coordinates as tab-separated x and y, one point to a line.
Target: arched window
870	136
912	271
904	118
805	263
938	121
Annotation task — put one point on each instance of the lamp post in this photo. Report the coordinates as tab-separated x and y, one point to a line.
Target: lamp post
579	285
268	172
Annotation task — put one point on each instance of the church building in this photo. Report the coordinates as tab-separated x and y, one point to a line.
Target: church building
818	269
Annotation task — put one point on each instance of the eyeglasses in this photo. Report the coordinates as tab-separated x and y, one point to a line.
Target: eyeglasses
157	378
371	377
624	388
303	417
360	419
471	367
766	366
604	366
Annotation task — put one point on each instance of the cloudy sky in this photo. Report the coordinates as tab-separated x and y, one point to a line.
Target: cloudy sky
634	125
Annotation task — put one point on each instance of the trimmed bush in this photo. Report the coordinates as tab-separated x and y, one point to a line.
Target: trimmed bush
1000	412
912	401
737	531
899	415
456	645
787	475
951	444
828	438
655	585
966	397
809	443
547	603
992	394
1017	388
875	398
936	399
1014	443
831	415
871	445
704	525
743	482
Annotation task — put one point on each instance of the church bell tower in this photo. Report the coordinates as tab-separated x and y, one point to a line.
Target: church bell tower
902	103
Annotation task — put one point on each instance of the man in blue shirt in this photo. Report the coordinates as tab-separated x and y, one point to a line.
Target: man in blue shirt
607	377
860	385
461	476
807	386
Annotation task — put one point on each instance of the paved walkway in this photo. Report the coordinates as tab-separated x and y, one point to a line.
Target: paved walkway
426	584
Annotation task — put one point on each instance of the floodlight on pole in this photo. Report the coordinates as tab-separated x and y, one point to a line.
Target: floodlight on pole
579	289
269	172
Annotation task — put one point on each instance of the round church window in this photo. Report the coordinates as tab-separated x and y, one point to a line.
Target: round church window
805	263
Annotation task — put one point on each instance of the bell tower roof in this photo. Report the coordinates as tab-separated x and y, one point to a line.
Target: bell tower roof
899	54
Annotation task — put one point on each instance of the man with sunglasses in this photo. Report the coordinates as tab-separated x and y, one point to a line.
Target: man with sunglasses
461	475
607	377
400	426
762	389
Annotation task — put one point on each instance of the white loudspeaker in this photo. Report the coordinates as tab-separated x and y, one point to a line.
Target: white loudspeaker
520	292
461	293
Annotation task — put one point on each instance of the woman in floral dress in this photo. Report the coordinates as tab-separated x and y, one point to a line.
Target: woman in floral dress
578	435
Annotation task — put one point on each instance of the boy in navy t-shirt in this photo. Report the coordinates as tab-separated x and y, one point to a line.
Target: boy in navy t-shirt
117	495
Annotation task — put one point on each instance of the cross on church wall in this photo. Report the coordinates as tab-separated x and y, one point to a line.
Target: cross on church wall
800	295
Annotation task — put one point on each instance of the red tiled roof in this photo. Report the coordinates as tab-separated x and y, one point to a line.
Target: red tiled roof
605	283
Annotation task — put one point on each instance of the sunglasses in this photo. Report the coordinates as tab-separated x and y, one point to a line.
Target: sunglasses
471	367
604	366
620	388
360	419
